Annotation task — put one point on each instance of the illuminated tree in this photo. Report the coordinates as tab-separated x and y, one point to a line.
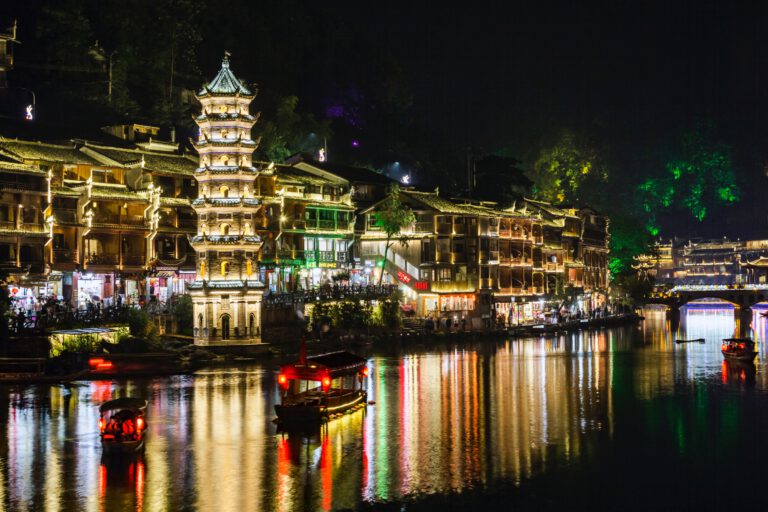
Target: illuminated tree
392	216
568	169
696	180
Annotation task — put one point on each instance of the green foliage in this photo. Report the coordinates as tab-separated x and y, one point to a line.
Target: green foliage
182	311
80	343
347	315
391	217
387	314
698	178
141	326
288	132
568	168
628	240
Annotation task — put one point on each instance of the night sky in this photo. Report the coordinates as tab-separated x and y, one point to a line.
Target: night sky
501	76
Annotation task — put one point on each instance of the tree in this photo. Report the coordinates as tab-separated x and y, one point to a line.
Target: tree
697	178
288	132
500	179
569	169
392	216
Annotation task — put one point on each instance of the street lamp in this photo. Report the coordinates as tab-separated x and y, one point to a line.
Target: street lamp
100	55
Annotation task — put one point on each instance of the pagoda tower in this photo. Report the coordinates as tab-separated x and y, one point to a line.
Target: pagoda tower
226	294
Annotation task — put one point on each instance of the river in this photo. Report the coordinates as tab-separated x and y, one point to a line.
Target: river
620	419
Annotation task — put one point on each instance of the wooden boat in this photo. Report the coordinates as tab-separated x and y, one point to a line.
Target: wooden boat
314	388
696	340
738	349
122	425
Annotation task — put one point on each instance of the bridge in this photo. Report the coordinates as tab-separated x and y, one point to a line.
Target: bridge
742	296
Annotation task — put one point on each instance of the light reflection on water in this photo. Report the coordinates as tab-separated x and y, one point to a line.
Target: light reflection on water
447	418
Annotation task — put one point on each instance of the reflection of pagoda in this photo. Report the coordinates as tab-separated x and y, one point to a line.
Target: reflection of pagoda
226	295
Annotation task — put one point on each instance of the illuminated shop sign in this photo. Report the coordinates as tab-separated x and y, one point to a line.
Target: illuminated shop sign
402	276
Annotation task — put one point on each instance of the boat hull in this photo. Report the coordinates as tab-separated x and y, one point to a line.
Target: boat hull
745	357
303	416
123	447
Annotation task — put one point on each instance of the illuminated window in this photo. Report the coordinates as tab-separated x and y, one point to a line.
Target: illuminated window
224	191
224	229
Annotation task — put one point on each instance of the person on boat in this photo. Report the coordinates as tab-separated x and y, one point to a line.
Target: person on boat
128	429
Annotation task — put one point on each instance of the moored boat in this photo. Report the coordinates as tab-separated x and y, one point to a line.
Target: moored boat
738	349
314	388
122	425
696	340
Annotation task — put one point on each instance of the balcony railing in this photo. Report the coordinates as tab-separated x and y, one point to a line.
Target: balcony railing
123	220
420	227
489	256
554	267
328	293
7	224
102	259
65	215
64	255
133	259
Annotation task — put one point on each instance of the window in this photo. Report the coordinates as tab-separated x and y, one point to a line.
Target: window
225	216
251	323
224	229
224	191
444	274
310	244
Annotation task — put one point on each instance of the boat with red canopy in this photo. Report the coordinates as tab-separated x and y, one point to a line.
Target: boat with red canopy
316	387
738	349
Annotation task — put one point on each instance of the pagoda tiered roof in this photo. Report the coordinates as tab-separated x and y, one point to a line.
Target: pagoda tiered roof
226	169
225	83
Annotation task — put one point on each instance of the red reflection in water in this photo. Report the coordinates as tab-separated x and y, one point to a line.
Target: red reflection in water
326	472
102	390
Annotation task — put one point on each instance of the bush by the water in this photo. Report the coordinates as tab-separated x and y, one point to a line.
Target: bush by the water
355	315
182	313
141	326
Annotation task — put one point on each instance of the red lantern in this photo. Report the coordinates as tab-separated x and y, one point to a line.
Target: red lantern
326	383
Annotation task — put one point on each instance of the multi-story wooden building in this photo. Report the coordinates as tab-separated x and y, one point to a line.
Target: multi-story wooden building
471	259
103	210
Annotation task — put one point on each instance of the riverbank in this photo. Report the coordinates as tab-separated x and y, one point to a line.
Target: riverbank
184	357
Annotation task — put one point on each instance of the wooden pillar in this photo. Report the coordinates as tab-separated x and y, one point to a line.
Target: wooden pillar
176	247
120	249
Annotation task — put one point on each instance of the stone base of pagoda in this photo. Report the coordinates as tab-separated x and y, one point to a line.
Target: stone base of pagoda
226	314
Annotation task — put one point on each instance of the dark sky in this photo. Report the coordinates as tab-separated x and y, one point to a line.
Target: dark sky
505	74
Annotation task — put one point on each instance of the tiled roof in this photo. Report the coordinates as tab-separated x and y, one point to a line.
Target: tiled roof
15	168
350	173
175	201
287	174
39	151
225	83
164	163
434	201
116	192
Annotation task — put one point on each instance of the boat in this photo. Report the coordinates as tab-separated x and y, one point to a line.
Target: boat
738	349
696	340
122	425
315	388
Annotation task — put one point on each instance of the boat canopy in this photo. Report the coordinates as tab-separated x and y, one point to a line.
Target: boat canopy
330	365
122	404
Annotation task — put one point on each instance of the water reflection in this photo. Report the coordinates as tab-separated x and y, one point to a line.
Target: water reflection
450	419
